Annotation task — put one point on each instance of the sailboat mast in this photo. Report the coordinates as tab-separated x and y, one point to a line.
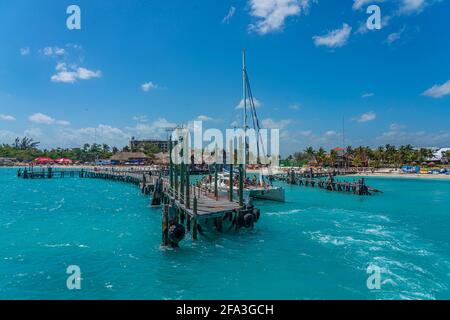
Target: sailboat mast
244	93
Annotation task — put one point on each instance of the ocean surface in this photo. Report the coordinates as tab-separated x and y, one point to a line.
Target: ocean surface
318	245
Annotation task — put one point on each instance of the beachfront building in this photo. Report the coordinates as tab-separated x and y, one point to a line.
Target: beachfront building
142	145
129	158
339	158
7	161
439	156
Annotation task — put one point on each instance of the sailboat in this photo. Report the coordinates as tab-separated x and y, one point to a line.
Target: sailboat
257	187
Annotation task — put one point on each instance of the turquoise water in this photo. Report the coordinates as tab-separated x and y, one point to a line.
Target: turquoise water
318	245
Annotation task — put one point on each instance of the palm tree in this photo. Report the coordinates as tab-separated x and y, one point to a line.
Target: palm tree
321	156
333	157
310	153
379	155
391	154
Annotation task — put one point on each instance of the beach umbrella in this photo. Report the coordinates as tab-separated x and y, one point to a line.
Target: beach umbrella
43	160
63	161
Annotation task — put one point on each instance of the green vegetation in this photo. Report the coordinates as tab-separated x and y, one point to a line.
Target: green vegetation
387	156
149	149
447	155
26	149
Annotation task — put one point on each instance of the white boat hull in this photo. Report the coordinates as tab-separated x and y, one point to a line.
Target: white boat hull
273	194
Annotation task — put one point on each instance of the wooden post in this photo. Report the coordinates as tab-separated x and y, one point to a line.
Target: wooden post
216	190
220	224
241	185
176	182
231	183
165	225
182	177
194	224
170	164
188	189
188	223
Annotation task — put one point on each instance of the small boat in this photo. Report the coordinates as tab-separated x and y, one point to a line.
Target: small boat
252	190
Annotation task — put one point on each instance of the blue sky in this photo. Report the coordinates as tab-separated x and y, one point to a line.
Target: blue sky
137	67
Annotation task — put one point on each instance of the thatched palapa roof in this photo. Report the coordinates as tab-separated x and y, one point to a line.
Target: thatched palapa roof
127	156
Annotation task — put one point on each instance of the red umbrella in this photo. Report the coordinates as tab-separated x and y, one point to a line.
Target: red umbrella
43	160
63	161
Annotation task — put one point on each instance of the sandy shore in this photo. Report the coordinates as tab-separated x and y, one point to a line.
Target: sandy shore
265	172
404	176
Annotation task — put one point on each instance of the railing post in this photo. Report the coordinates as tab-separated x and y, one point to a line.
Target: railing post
170	163
231	183
241	185
194	222
182	176
188	186
176	182
216	190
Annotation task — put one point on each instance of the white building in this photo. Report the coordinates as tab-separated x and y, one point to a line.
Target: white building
439	155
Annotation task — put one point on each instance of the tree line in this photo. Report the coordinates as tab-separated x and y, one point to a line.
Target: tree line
26	149
383	156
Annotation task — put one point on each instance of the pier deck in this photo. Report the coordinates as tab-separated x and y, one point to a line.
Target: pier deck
310	179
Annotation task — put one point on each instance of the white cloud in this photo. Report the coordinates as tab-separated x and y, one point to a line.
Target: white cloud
271	14
230	14
25	51
396	127
72	73
395	36
204	118
156	129
53	51
100	134
438	91
62	122
295	106
412	6
7	136
397	136
366	117
6	117
140	118
148	86
241	103
367	95
359	4
273	124
303	138
34	133
331	133
335	38
41	118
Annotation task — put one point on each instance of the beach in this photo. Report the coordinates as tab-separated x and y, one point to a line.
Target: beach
405	176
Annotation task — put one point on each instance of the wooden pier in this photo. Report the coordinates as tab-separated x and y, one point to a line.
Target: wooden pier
314	180
185	205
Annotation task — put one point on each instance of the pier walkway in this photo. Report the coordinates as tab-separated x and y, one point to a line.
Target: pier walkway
310	179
